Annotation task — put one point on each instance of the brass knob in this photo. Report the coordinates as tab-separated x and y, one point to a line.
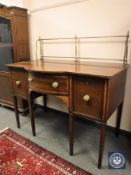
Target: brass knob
55	84
18	83
30	80
12	12
86	98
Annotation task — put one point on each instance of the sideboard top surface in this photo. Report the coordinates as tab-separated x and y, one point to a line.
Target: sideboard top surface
104	70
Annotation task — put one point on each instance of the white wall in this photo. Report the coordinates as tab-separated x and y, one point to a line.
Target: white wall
93	17
18	3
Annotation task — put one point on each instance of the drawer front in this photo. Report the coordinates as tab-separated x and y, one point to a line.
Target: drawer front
20	82
48	83
88	96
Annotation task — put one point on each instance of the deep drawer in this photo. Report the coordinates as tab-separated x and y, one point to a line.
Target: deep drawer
20	82
88	96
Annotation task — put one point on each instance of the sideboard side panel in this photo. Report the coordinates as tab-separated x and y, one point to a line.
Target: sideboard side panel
116	92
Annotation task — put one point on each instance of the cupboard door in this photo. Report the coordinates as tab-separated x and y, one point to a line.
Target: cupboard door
6	89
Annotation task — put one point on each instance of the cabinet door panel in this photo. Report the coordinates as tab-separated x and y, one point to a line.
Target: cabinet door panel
21	39
6	45
5	88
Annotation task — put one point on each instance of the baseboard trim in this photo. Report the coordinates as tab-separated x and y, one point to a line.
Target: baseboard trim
122	132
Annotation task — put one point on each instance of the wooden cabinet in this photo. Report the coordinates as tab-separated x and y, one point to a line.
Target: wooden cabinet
14	47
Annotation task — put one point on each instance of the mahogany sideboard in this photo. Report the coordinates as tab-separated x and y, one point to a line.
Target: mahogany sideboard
89	91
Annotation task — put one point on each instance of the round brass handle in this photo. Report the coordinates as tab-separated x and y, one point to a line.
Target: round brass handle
12	12
86	98
18	83
30	80
55	84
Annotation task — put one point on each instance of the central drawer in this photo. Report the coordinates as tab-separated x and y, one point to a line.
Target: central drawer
48	83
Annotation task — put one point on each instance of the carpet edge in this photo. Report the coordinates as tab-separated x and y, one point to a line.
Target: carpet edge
4	129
